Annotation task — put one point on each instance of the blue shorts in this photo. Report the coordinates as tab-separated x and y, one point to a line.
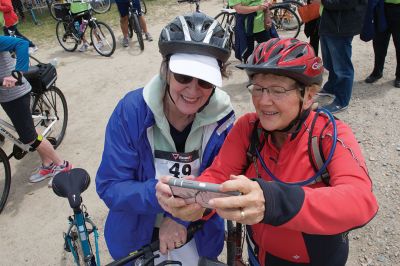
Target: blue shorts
123	7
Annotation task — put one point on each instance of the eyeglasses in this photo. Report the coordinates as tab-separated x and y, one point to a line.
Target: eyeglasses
184	79
275	92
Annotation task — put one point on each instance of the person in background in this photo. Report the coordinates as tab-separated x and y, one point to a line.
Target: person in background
123	9
11	21
17	5
312	32
250	26
175	125
15	100
340	21
381	42
297	216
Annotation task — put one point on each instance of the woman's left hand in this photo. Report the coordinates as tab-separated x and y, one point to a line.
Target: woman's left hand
172	235
247	208
176	206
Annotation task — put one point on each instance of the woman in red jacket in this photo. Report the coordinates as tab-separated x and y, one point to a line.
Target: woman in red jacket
11	21
296	217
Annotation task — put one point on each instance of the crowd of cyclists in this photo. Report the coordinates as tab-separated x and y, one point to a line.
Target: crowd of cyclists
182	124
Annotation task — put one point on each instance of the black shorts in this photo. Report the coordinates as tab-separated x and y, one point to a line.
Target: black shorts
20	114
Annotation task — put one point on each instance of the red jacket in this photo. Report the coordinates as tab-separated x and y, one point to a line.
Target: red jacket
302	224
10	18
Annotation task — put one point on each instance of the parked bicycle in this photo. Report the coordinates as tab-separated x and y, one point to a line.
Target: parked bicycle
70	31
49	114
227	19
285	18
81	230
98	6
134	24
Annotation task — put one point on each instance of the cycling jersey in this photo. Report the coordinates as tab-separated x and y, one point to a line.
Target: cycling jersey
301	224
7	64
126	178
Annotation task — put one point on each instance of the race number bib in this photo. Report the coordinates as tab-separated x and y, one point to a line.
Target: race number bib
176	164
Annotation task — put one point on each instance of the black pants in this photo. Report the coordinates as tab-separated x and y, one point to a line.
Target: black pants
381	39
17	33
260	37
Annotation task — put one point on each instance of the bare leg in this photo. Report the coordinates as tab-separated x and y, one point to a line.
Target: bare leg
124	26
143	24
47	153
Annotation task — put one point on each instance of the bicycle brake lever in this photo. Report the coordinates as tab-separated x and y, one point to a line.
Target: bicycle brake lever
18	76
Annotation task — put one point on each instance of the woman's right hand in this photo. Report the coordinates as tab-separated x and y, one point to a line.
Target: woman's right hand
176	206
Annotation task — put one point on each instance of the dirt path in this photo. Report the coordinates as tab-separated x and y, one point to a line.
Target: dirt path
32	223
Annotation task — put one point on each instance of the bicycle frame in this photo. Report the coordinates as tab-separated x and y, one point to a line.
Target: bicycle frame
8	135
79	220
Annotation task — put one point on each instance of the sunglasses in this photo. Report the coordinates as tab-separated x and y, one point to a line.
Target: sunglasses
184	79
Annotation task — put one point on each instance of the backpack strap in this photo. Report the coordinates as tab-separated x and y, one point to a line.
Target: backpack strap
316	155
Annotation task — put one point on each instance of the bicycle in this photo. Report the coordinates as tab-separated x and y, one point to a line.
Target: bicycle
98	6
134	24
285	18
81	228
227	19
196	2
101	35
49	113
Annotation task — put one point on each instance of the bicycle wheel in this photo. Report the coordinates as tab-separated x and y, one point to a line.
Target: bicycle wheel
286	21
65	36
102	38
143	7
228	21
48	107
5	179
100	6
138	30
130	26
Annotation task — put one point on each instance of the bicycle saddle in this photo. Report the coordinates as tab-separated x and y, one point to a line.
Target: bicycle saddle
71	184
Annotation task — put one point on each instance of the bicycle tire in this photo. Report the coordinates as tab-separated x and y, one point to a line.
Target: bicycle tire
143	7
102	31
130	25
138	30
65	36
230	243
6	183
46	104
100	6
77	246
50	6
286	21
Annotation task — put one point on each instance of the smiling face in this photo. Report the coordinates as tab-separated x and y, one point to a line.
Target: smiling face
276	113
189	97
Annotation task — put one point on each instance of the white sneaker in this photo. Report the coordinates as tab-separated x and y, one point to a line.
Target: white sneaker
125	42
32	49
84	47
99	45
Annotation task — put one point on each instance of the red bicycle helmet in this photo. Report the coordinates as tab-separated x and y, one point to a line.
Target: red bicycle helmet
286	57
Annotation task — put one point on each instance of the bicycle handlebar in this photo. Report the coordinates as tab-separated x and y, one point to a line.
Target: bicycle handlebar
154	246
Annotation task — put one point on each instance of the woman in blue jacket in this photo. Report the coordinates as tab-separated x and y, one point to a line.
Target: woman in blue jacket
175	125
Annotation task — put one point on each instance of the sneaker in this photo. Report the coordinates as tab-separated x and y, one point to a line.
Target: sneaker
125	42
100	45
66	166
334	108
148	36
84	47
42	173
32	49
